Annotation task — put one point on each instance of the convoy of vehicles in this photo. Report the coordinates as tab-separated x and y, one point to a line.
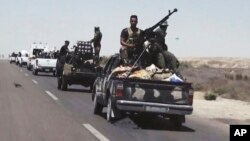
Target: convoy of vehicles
121	95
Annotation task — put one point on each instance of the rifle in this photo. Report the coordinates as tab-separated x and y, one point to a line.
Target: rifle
147	33
150	30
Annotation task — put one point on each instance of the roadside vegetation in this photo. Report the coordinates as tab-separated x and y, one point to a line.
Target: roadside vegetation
232	83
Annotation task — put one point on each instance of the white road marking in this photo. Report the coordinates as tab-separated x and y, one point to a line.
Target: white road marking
26	74
95	132
34	81
51	95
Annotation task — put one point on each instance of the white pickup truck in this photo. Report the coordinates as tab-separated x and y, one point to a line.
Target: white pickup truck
44	63
13	58
35	50
22	58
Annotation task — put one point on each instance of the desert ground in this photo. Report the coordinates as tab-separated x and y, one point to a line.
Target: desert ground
228	80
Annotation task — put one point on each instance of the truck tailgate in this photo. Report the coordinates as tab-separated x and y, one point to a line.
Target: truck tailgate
157	92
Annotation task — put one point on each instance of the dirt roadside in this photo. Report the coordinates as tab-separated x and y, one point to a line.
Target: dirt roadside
224	110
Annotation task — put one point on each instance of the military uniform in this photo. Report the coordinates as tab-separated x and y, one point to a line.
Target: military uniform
97	43
135	37
164	58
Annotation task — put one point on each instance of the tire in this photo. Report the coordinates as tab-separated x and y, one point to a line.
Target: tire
59	83
109	111
177	120
97	109
91	88
54	73
64	83
35	72
29	67
112	112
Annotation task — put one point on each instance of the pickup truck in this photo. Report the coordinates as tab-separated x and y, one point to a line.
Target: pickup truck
13	58
123	95
79	67
44	64
22	58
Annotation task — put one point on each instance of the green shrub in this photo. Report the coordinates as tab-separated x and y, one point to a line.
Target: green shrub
229	76
239	77
245	77
210	96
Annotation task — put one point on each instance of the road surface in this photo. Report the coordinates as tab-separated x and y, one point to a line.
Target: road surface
33	109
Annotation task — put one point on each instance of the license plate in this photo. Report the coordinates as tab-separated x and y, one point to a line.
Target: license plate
46	69
156	109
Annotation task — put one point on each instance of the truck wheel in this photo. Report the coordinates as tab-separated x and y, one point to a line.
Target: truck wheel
54	73
97	110
59	83
91	88
109	111
64	83
177	120
112	112
35	72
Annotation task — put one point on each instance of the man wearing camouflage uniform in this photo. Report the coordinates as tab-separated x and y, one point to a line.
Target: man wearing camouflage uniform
165	59
97	43
131	40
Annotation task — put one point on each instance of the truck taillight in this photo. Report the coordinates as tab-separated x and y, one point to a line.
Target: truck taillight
37	62
119	91
190	96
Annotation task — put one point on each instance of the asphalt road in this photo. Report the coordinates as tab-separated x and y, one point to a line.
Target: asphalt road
32	109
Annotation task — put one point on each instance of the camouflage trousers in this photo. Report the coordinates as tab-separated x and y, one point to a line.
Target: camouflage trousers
166	59
127	55
96	57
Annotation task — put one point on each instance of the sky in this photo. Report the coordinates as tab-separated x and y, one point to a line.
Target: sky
200	28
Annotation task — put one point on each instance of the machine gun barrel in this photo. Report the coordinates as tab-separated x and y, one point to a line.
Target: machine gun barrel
148	31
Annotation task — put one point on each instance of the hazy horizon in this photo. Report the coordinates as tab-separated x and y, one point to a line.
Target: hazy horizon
199	28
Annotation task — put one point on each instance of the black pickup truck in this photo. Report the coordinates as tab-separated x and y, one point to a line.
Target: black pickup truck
79	67
123	95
